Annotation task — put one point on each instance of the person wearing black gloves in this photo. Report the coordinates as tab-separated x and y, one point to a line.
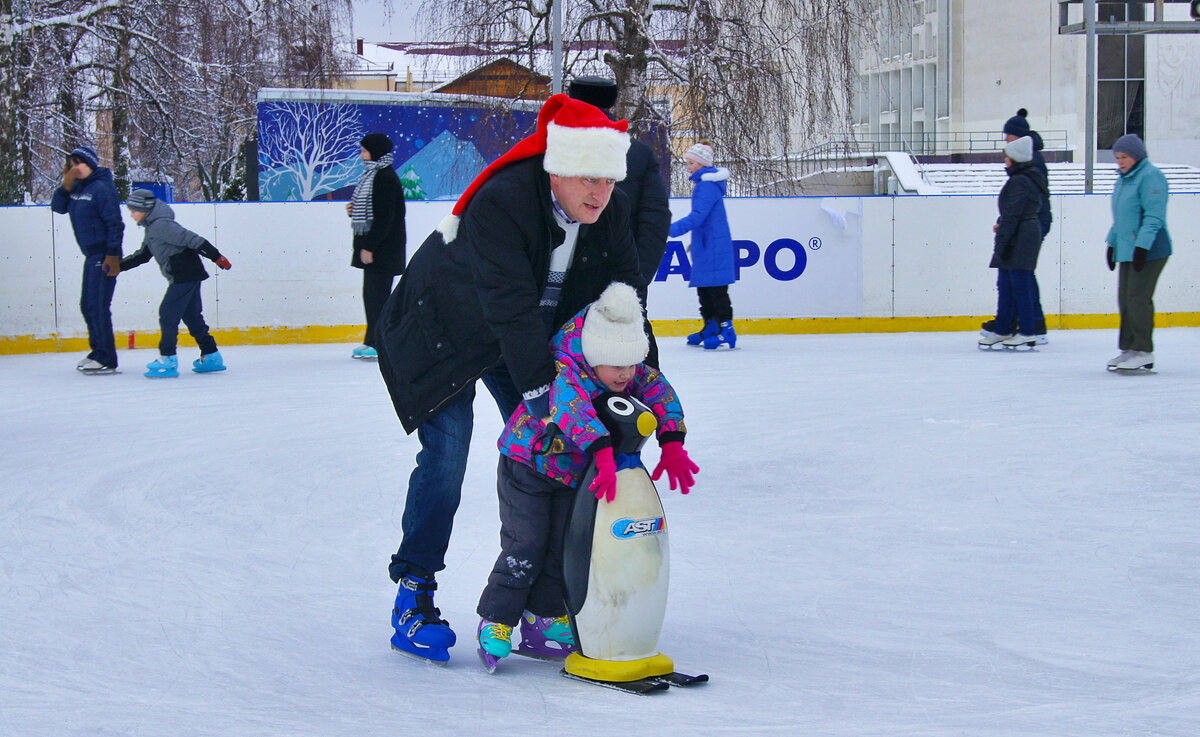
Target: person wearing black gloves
89	196
1138	241
177	251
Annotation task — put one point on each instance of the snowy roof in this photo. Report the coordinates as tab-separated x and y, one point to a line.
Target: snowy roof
1065	178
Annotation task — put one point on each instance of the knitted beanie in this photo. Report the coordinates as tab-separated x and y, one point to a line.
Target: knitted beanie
88	154
141	200
1020	150
701	153
613	334
1130	145
597	91
376	144
1018	125
576	140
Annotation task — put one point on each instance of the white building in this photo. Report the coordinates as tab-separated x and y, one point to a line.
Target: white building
957	69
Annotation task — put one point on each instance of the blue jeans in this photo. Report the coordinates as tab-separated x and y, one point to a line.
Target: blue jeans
1017	302
435	486
95	302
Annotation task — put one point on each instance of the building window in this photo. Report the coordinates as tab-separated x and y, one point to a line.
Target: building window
1121	77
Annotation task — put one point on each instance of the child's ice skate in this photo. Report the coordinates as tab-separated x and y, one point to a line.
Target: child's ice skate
420	629
495	642
364	352
546	638
726	336
209	363
163	367
709	330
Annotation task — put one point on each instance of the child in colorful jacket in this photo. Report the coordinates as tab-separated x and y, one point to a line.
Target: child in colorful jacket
543	461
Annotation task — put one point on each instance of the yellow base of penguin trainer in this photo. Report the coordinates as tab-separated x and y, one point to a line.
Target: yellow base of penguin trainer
618	671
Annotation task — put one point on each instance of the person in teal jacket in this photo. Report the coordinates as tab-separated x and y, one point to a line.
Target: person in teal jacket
1139	243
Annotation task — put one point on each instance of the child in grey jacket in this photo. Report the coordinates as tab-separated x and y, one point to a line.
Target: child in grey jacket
177	251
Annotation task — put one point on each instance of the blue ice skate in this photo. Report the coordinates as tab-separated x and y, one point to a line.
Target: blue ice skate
208	364
420	629
364	353
726	336
163	367
709	330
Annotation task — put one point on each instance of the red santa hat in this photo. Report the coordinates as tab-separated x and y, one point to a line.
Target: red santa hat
577	139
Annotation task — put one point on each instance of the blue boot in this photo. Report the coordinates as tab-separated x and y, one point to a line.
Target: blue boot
209	363
163	367
726	335
420	629
709	330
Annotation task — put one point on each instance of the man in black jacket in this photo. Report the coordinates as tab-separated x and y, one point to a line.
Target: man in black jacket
536	237
650	214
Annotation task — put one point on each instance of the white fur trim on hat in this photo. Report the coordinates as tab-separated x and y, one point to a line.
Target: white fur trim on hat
612	329
585	152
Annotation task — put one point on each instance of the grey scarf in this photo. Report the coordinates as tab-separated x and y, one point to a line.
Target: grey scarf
362	211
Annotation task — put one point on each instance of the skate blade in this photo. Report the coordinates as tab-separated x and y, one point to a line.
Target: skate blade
489	661
535	655
1133	372
421	658
99	372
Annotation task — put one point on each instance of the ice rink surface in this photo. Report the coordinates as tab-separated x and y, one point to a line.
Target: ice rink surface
892	535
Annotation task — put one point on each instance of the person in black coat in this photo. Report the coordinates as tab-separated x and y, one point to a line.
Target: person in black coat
1015	251
537	236
376	211
1018	127
643	185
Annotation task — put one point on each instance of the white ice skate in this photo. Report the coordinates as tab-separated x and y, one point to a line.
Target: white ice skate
989	340
1020	341
1137	362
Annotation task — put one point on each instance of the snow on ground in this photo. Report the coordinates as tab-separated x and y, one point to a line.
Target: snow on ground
892	535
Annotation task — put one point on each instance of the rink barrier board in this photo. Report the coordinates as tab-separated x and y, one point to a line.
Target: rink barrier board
143	339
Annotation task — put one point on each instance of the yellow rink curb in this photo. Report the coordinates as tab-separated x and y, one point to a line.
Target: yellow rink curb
15	344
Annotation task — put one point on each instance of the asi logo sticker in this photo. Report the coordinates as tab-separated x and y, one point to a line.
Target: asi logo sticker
625	529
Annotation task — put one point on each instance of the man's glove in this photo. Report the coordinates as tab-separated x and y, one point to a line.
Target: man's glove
1109	256
69	177
111	265
605	483
1139	258
678	465
223	263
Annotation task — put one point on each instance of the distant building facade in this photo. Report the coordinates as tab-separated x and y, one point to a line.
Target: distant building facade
954	70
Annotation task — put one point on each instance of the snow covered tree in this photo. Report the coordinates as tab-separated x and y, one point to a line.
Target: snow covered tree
760	78
164	90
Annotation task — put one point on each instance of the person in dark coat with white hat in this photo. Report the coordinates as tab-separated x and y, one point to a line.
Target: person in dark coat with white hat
537	236
376	211
1018	241
1018	127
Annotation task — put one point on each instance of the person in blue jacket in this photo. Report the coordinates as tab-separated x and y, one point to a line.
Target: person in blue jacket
89	196
1139	243
711	248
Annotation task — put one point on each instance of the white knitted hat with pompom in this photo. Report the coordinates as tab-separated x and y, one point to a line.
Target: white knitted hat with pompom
612	328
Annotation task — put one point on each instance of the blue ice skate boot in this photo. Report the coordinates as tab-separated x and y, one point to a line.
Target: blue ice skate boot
364	353
420	629
163	367
710	329
209	363
726	336
495	642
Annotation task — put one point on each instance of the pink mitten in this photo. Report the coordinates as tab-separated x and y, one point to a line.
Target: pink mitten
678	465
605	483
